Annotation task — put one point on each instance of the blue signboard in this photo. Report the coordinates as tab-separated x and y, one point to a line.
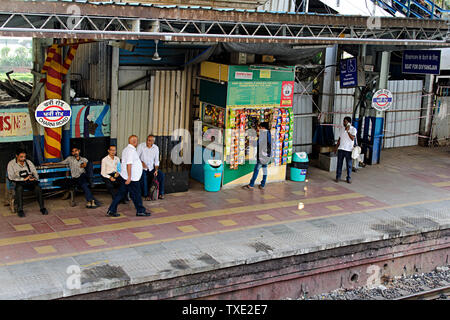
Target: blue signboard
349	73
421	61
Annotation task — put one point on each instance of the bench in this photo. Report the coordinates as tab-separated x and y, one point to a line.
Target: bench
47	178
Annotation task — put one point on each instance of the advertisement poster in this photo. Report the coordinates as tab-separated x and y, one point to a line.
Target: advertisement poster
90	121
15	125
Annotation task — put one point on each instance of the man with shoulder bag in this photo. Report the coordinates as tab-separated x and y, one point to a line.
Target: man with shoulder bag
23	174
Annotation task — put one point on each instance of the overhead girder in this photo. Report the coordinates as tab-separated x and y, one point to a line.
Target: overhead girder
112	21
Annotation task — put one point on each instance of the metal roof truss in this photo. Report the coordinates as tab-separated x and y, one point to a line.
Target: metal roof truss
86	26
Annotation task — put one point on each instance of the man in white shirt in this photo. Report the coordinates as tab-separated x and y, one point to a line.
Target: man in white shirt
149	154
130	174
110	170
344	149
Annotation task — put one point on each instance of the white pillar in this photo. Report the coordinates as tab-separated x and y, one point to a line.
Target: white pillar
114	92
384	75
328	80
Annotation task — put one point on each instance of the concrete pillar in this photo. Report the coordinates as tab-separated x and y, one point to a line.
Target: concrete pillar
425	123
38	62
114	94
328	81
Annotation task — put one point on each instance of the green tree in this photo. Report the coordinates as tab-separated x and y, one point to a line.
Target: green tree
22	57
4	52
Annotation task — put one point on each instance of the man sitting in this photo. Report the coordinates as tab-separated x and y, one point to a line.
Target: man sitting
23	174
81	171
110	171
149	154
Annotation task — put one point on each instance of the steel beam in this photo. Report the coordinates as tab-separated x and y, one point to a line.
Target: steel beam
108	21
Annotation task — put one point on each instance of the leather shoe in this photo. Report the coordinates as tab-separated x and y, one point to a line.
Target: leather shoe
44	211
112	214
161	196
143	214
21	214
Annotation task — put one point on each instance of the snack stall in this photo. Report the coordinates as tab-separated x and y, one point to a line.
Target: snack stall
235	99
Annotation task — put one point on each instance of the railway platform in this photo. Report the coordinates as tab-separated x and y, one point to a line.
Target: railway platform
292	239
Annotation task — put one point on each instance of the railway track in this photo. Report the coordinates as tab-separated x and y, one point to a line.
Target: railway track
432	294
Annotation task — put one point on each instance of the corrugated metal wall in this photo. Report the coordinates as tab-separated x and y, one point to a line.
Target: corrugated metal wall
91	71
401	121
403	118
162	109
440	129
343	107
303	104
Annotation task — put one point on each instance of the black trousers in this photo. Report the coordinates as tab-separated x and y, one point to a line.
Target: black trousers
134	189
111	186
21	186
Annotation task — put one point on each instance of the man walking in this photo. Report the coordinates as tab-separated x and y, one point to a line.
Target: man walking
23	174
344	149
130	174
264	148
149	154
81	170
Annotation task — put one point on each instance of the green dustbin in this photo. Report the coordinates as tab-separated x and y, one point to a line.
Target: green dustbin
213	171
299	166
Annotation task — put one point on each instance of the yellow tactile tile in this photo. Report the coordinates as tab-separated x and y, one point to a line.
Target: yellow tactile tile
266	217
330	189
96	242
392	170
234	200
227	223
143	235
333	208
197	205
158	210
268	197
443	176
187	229
45	249
177	218
71	221
442	184
299	192
366	203
23	227
8	214
301	212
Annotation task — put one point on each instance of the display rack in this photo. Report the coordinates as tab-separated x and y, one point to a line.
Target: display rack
234	100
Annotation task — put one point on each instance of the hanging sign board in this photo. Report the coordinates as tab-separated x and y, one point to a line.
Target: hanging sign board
349	73
53	113
382	100
421	61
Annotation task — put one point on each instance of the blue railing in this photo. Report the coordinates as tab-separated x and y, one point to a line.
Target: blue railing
425	9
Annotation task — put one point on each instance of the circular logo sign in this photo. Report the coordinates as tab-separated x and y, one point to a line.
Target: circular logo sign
53	113
382	100
287	89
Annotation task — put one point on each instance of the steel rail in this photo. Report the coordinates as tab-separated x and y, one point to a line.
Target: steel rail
432	294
